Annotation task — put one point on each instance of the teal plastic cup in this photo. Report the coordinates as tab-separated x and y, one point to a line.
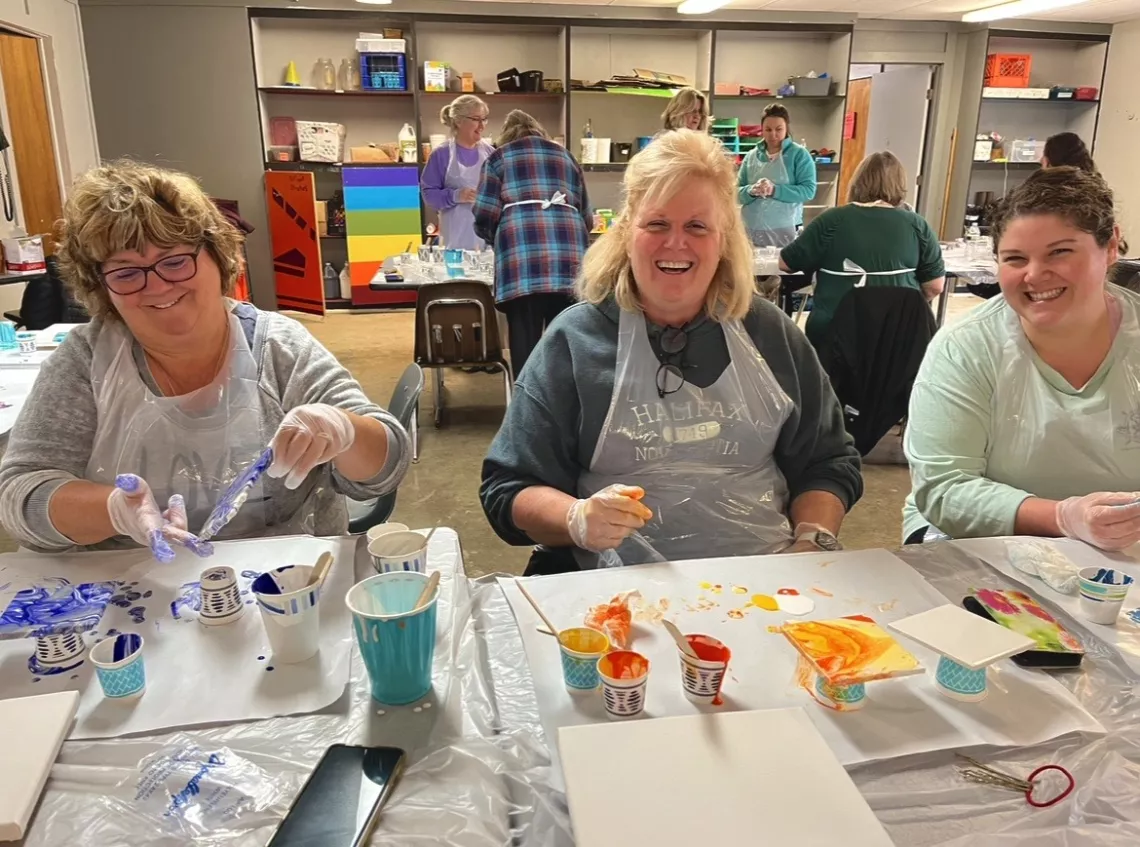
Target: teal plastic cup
396	643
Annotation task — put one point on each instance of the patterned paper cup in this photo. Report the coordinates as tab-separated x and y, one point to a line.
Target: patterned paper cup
624	676
703	677
119	665
1102	593
399	551
581	648
291	612
221	596
375	532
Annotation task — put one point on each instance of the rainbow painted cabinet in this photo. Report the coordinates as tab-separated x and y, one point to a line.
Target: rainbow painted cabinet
382	219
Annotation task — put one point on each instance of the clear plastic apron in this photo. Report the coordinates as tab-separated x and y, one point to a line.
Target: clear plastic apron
457	224
193	445
703	456
770	222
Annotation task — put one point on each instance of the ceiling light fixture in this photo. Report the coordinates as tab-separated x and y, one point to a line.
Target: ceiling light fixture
1016	9
701	7
375	2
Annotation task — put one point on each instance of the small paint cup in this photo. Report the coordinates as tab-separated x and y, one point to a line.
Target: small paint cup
959	682
26	341
59	648
397	642
845	698
625	676
221	596
119	665
1102	594
290	611
375	532
702	677
581	647
399	551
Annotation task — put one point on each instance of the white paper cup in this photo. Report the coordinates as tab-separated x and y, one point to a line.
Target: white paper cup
383	529
291	614
221	596
119	666
1102	594
625	676
399	551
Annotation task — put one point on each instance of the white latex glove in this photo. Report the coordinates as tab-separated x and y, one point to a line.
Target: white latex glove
603	520
309	436
135	513
1105	520
756	189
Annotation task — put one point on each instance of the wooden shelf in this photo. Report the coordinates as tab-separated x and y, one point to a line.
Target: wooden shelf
1037	100
792	98
335	167
315	92
1005	166
499	95
335	237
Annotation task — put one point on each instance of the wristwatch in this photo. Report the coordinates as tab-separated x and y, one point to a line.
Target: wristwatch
818	536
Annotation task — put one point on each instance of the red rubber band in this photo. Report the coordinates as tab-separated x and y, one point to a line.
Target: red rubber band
1029	794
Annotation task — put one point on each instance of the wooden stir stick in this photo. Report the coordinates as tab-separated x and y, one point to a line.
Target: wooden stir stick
429	589
682	643
321	569
534	605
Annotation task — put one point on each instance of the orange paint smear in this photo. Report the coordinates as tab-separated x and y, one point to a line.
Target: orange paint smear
821	592
613	618
804	677
850	650
735	614
763	601
788	592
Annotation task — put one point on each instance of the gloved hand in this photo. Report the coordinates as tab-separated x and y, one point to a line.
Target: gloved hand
309	436
135	513
1105	520
603	520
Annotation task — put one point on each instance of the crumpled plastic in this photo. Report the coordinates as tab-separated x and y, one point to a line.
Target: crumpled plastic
1042	559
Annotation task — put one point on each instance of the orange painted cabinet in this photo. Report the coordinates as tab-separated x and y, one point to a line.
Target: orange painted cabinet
297	269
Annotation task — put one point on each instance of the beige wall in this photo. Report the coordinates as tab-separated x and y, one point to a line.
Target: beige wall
1118	131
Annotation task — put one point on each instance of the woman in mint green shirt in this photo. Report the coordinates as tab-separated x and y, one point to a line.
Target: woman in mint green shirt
870	240
1025	417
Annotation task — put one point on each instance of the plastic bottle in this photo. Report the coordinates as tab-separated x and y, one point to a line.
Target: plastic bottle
407	139
345	283
588	131
332	282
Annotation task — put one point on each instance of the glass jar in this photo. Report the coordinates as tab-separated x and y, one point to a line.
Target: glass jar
324	75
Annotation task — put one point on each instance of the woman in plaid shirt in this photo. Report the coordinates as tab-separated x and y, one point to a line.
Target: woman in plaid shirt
533	210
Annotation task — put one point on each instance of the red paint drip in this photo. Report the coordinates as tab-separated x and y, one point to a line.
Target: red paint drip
708	648
789	592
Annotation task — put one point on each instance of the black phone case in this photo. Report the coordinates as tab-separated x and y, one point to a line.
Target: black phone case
1030	658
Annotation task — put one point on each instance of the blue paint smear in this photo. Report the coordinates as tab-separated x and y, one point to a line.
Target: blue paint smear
146	596
138	614
251	574
126	645
1134	616
232	499
56	607
269	667
189	599
35	667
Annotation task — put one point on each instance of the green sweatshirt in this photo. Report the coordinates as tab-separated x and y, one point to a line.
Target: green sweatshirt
563	395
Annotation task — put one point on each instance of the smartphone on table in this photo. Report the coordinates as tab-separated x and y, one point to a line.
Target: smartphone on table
1016	610
340	802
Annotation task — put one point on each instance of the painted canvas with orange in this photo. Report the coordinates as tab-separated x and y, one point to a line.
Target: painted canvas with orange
850	650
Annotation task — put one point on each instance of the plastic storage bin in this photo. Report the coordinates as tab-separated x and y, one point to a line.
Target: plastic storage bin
811	86
383	72
381	45
509	80
1008	70
530	81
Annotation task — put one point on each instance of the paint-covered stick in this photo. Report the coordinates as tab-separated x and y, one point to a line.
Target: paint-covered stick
682	643
534	605
429	589
321	569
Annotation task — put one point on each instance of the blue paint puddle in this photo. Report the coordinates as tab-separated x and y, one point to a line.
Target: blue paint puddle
261	658
38	669
269	667
138	614
56	607
147	593
1133	616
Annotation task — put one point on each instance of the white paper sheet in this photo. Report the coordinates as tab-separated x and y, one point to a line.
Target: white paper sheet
902	716
195	674
15	386
1125	635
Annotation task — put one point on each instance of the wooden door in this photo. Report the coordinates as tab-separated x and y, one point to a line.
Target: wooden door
33	146
854	148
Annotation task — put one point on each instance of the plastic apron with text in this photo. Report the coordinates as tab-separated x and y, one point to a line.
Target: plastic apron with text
770	222
1031	421
457	224
703	456
193	445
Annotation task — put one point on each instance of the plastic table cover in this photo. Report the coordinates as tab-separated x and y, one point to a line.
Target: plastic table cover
921	800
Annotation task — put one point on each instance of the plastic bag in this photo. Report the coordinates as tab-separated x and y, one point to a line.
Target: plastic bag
1042	559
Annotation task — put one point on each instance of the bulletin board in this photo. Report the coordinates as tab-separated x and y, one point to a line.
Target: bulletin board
291	199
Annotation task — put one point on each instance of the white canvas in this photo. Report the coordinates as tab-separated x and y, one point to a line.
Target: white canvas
901	716
195	674
736	778
32	730
966	638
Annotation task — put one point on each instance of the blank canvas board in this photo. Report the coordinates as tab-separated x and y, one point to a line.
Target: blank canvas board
966	638
31	732
733	778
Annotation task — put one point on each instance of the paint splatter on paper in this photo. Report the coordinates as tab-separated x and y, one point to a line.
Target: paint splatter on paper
646	612
613	618
850	650
56	607
888	606
739	589
765	602
821	592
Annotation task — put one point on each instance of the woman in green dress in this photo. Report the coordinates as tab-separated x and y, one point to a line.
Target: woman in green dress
868	241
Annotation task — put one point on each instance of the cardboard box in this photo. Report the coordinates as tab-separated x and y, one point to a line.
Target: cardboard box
24	255
467	83
369	153
727	89
322	217
437	76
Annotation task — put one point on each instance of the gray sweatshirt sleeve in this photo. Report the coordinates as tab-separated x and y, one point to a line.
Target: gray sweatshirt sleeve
301	371
50	443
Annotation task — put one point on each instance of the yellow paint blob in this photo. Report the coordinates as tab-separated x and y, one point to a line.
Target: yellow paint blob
739	589
763	601
705	586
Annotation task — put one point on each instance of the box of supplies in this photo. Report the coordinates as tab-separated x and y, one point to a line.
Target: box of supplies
437	76
320	142
727	89
322	217
24	255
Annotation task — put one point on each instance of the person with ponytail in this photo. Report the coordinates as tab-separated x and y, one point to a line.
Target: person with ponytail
451	176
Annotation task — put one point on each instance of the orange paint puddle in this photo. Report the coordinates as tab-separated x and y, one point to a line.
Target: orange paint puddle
821	592
788	592
623	664
710	649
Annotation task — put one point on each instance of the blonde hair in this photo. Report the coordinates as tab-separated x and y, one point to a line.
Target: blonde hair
879	177
126	205
463	106
685	102
519	125
655	175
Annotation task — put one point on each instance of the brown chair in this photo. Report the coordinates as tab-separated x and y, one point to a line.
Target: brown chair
457	327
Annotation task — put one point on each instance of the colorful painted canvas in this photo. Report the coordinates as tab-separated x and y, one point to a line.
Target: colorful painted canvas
850	650
1018	611
231	501
56	607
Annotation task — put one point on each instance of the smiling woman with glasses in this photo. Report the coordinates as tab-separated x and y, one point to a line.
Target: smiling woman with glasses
143	417
674	414
451	177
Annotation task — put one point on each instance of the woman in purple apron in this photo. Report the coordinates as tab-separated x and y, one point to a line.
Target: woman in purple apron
451	176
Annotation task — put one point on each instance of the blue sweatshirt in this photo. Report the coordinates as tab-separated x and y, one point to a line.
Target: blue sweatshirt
801	185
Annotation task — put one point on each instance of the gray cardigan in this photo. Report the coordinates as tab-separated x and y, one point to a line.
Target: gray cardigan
53	436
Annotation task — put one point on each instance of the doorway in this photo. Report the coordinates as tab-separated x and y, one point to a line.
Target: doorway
888	108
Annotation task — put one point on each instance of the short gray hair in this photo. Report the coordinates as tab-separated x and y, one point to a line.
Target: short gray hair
686	102
463	106
519	125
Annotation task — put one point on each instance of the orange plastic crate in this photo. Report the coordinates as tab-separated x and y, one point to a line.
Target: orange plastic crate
1008	70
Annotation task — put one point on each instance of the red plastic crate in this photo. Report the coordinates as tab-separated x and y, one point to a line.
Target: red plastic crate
1008	70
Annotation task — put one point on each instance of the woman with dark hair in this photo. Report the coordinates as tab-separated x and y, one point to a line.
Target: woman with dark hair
1023	418
532	208
776	178
1067	149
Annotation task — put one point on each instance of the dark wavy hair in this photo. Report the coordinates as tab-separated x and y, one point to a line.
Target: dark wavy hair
1066	148
777	110
1080	197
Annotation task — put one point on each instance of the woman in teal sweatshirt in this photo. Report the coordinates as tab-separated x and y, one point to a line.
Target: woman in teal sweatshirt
776	178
